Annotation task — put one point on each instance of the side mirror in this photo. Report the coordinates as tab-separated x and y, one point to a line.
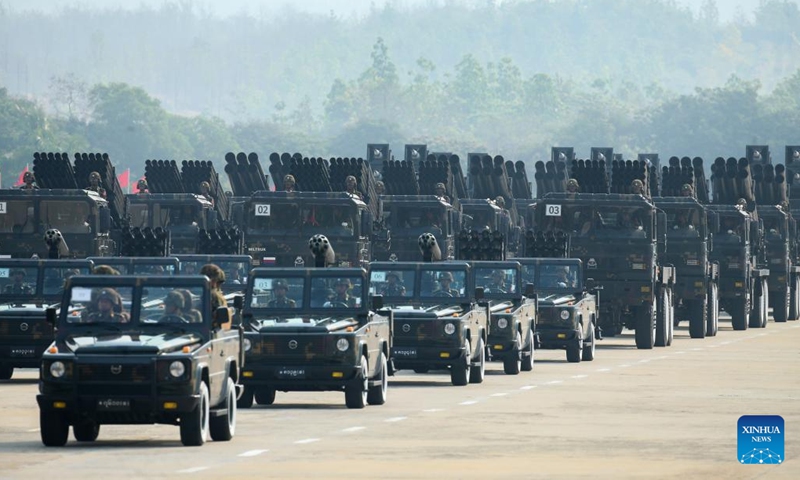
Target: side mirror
222	316
479	294
238	302
105	221
377	302
50	315
530	290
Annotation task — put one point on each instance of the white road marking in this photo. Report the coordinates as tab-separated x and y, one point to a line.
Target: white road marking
623	365
498	394
433	410
580	376
527	387
725	343
697	349
713	346
33	430
644	360
395	419
253	453
660	358
680	353
603	369
469	402
307	440
762	334
193	470
353	429
554	382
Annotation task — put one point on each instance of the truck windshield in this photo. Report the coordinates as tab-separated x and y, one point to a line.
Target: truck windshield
16	281
597	221
391	283
16	216
496	280
684	222
416	217
177	216
66	216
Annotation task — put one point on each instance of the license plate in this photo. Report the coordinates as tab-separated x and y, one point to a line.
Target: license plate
114	405
292	373
405	352
23	352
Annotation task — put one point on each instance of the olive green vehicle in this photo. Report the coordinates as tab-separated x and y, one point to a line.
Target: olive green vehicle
568	314
438	323
513	313
312	329
138	350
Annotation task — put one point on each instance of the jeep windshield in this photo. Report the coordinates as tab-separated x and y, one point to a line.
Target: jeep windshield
99	305
435	284
391	283
171	305
558	277
16	282
496	281
235	272
55	276
275	292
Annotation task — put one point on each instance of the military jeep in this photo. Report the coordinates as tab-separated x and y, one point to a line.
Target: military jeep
27	288
568	313
309	329
438	324
139	350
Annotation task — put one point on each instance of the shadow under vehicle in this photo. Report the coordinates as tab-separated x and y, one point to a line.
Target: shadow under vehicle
406	217
277	226
312	329
183	215
122	358
512	312
27	288
437	322
568	311
141	265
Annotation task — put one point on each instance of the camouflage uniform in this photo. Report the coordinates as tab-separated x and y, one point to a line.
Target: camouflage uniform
289	183
281	302
217	277
94	184
29	182
351	186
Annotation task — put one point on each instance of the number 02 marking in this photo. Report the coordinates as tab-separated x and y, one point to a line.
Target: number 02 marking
552	210
262	210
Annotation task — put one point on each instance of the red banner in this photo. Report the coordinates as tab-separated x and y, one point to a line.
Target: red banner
20	180
124	178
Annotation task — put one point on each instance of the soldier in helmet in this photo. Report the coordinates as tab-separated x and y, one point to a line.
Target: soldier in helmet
497	283
341	297
29	182
444	290
380	188
141	186
94	184
742	204
106	307
205	192
394	286
280	289
217	277
637	187
105	270
687	190
500	201
174	304
441	192
351	184
289	183
19	287
572	186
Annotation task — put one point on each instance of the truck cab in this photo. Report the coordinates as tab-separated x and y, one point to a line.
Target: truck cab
183	215
406	217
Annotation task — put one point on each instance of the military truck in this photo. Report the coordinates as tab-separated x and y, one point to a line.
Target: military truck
438	324
512	310
139	350
313	329
406	217
568	312
27	288
183	215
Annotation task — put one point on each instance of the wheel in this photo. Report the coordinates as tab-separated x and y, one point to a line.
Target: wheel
794	302
758	318
697	318
355	394
780	311
377	394
574	352
6	372
587	355
86	431
671	320
512	364
460	372
476	375
194	424
663	319
246	400
740	314
645	327
222	427
528	355
712	311
264	396
54	428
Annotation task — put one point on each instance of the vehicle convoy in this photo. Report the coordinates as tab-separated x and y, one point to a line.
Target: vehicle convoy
615	229
567	316
313	329
27	288
139	350
438	324
690	229
512	310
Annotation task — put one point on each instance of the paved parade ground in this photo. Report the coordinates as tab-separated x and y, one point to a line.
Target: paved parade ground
663	413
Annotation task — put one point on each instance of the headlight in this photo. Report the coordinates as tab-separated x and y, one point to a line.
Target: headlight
342	344
502	323
247	344
449	329
57	369
177	369
564	314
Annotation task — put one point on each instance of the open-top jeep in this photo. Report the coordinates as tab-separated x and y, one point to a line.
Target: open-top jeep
513	314
438	324
139	350
27	288
312	329
141	265
568	313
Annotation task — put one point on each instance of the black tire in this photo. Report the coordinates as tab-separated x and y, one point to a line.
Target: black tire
512	364
587	355
758	318
574	352
780	311
528	355
6	372
54	428
264	396
460	372
740	314
794	301
355	394
246	400
377	394
697	318
476	375
223	427
663	319
86	431
194	424
712	311
645	327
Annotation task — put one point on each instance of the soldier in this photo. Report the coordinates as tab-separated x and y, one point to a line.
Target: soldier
173	306
280	289
94	184
637	187
205	192
141	186
393	287
107	307
105	270
189	312
19	287
687	190
29	182
498	283
351	184
500	202
444	290
572	186
380	188
217	277
441	192
289	183
341	297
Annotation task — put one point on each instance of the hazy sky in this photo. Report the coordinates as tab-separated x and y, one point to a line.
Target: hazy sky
727	8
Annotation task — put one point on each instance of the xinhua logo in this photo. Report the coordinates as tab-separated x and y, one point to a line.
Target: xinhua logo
760	439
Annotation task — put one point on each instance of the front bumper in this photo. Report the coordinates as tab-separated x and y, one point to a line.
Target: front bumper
557	338
300	378
405	358
120	409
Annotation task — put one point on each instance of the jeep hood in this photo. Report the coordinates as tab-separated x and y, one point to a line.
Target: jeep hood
305	324
557	300
131	343
412	312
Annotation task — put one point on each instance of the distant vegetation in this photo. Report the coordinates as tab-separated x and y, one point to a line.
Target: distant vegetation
516	79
